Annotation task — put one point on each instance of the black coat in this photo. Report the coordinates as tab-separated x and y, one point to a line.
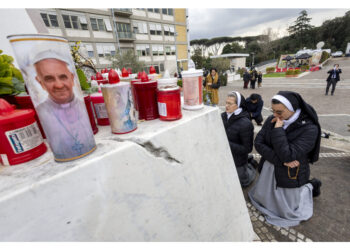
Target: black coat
279	146
246	76
254	108
331	72
240	134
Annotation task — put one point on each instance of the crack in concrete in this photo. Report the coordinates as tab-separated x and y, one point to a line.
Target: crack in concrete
159	152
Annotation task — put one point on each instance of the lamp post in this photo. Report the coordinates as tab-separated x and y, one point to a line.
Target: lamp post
252	62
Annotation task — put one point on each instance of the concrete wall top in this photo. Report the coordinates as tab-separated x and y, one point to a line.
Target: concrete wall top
166	181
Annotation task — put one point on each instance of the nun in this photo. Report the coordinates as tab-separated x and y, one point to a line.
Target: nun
288	141
240	133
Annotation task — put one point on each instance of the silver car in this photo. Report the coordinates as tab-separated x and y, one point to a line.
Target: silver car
337	54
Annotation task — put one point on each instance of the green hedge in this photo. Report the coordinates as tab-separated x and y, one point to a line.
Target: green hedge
270	69
325	55
223	79
304	67
292	72
82	79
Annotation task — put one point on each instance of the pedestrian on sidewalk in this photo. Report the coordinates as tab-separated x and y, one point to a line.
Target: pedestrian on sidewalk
254	106
240	133
246	78
259	79
253	78
333	78
212	85
288	141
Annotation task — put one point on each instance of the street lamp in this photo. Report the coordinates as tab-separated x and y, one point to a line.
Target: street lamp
252	62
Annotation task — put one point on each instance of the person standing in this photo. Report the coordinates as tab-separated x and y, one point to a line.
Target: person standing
254	107
259	79
246	78
253	78
288	141
212	85
240	132
333	78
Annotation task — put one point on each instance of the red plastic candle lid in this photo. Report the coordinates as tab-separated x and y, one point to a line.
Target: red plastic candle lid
152	70
8	113
113	77
144	77
125	73
99	76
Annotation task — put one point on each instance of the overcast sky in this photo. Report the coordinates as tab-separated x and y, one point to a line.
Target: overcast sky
209	23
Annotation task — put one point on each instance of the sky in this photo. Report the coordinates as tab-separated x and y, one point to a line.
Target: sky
209	23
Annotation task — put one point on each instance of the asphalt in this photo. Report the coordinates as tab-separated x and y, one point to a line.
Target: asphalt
331	219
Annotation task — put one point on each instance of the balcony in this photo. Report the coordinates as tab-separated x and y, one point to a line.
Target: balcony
123	12
126	36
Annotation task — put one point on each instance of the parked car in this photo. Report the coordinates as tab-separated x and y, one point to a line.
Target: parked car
337	54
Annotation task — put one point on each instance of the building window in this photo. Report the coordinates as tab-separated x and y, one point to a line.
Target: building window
97	24
155	29
154	10
157	50
123	27
83	23
74	22
105	49
101	24
172	30
50	20
89	48
169	12
161	67
140	27
173	50
142	50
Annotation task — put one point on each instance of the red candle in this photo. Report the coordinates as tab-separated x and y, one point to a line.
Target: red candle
146	98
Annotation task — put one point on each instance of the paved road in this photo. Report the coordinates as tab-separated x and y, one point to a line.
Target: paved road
331	219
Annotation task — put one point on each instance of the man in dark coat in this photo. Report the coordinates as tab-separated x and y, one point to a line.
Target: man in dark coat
240	133
333	78
253	78
246	78
254	105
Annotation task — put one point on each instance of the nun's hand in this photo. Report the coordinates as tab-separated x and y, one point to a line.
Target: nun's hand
279	122
292	164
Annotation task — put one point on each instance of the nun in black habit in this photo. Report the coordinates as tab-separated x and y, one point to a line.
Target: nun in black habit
288	141
240	134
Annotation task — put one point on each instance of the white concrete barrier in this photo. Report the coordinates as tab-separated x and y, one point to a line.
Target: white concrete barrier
166	181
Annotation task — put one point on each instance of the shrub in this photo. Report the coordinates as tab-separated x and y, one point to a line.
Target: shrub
304	67
290	72
223	79
82	79
11	80
270	69
297	71
324	56
179	83
240	71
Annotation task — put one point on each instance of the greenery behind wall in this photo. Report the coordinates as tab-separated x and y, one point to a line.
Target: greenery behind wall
335	33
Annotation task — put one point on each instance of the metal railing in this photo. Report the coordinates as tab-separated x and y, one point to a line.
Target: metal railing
126	35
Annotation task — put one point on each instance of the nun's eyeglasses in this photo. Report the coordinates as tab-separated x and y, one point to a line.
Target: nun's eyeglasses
230	103
278	112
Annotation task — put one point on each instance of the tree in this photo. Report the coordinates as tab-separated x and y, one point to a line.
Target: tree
127	59
234	47
301	28
198	59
